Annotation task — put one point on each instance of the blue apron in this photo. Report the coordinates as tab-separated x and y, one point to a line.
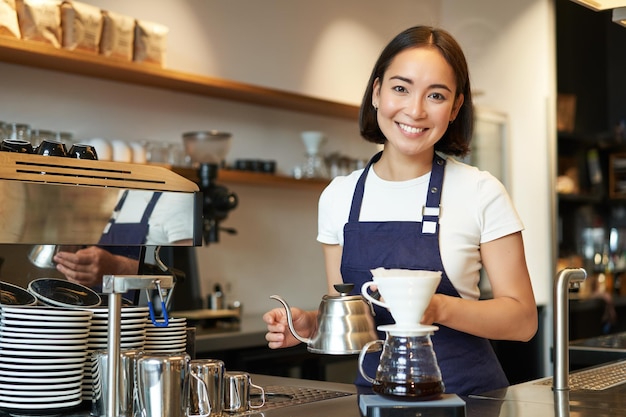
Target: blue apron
468	363
128	233
125	239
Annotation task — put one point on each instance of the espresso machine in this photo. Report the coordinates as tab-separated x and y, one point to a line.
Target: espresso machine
50	200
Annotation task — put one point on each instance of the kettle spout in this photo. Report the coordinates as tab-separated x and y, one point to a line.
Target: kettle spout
290	319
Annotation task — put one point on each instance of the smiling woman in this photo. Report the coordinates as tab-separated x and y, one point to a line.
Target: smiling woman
415	207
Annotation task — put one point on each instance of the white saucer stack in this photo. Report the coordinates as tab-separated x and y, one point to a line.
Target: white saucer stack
132	336
42	354
170	339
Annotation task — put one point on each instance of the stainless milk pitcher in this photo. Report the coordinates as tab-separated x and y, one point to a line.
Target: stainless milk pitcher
126	401
164	384
207	379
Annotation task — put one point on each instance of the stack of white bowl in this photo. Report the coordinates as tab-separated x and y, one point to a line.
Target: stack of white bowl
132	336
42	354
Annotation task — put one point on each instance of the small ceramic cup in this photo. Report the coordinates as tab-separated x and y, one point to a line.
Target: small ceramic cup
83	151
16	145
52	148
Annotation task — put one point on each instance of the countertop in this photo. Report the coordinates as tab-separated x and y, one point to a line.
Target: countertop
531	399
249	333
597	350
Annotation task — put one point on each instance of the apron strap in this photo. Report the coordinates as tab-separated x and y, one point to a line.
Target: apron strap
357	197
150	207
430	212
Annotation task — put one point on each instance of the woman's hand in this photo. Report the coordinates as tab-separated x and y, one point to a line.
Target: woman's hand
431	313
87	266
279	335
510	315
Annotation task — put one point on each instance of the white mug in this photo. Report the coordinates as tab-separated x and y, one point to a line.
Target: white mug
406	296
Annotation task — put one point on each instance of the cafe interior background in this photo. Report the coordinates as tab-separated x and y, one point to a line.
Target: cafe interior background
324	49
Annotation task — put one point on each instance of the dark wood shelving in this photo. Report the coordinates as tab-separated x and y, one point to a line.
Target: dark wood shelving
41	55
231	176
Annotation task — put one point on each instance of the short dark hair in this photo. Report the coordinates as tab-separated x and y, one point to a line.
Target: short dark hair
456	140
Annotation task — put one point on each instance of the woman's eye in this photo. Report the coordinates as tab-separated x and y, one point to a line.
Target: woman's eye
437	96
399	89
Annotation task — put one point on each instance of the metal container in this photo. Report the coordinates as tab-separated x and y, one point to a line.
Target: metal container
126	389
345	323
161	384
210	373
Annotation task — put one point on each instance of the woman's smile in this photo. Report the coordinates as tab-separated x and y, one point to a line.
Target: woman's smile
411	130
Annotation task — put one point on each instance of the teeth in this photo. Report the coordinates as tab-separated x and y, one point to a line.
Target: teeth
410	129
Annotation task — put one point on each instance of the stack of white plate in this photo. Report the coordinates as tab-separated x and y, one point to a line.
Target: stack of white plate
42	354
132	336
169	339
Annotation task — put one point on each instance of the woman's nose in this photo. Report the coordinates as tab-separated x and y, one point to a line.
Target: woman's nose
415	108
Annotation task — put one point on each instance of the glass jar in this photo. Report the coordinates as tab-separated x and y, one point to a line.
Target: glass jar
18	131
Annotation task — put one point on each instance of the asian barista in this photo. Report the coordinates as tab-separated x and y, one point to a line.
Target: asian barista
139	218
416	207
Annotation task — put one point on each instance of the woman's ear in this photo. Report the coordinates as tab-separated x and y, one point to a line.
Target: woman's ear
376	93
458	102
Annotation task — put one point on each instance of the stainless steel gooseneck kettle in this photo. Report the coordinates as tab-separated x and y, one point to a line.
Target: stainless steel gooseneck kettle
345	323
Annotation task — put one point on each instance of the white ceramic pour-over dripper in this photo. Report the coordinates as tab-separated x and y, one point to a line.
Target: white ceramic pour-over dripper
406	293
312	140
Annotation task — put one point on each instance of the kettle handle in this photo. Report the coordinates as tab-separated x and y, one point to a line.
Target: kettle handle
365	350
290	319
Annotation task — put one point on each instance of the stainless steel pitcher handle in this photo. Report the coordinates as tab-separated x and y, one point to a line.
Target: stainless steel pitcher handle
203	399
262	396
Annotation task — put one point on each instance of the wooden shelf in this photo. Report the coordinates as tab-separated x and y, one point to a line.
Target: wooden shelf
230	176
40	55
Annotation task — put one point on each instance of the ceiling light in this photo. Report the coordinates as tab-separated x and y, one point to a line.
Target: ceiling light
602	4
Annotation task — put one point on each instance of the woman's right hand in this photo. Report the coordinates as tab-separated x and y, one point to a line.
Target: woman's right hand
278	333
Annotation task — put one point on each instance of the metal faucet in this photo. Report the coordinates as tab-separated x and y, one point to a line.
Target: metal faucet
560	382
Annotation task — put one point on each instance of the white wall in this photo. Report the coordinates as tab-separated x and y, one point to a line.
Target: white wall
511	53
512	56
324	48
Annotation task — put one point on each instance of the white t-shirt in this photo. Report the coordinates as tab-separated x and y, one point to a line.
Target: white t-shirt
171	220
475	208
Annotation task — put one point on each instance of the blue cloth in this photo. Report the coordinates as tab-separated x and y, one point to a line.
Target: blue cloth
468	363
125	239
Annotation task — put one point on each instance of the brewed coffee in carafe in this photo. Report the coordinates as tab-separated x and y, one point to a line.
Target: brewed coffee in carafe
408	368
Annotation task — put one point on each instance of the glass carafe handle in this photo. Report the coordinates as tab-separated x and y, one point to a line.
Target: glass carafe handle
365	350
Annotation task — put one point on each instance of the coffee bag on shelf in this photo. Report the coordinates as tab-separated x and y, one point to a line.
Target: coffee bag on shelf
81	25
40	20
150	43
117	35
8	19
